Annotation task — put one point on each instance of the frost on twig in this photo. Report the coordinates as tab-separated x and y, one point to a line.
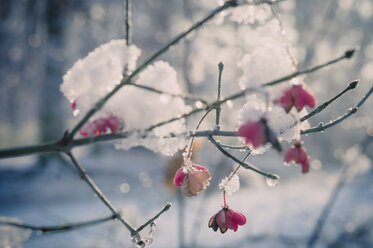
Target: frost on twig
12	236
230	184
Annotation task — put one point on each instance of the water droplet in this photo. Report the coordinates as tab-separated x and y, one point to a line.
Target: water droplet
199	104
96	195
272	180
39	233
76	112
229	104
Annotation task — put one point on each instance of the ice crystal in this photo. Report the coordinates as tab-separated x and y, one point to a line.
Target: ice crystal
230	186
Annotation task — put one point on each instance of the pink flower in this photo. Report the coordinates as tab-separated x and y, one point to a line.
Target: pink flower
258	133
227	219
100	126
193	181
298	155
298	97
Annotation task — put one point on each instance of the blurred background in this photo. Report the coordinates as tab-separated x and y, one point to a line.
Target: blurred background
41	40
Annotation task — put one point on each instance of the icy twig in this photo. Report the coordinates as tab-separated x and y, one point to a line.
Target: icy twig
83	174
62	227
218	107
128	21
321	107
321	127
184	96
165	208
243	164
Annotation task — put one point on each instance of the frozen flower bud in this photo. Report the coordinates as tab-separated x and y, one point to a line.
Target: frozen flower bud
298	97
258	133
227	219
101	125
193	180
298	155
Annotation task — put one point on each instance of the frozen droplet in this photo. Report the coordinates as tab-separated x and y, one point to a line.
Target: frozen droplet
229	104
272	180
199	104
76	112
96	195
39	233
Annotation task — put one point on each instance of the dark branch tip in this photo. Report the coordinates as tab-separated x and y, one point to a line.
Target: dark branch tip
353	84
350	53
168	206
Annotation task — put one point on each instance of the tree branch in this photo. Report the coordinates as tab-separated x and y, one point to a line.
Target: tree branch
165	208
60	228
245	165
321	127
83	174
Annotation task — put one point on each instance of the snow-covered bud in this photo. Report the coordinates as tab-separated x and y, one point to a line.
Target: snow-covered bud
258	133
227	219
193	180
298	155
298	97
101	125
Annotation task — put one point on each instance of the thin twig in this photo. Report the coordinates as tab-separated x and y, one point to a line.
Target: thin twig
128	22
245	165
321	127
59	228
83	174
165	208
218	107
183	96
317	110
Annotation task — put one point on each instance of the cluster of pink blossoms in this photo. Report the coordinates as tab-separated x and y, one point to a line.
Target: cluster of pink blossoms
195	178
257	133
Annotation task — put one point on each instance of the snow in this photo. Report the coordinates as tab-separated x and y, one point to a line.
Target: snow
13	237
230	186
92	77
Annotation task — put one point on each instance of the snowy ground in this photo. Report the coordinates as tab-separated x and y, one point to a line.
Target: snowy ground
283	216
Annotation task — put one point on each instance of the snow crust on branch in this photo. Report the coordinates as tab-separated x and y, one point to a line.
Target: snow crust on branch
11	236
230	186
92	77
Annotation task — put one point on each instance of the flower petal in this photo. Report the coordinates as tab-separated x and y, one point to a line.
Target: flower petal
221	218
179	177
213	224
238	217
253	132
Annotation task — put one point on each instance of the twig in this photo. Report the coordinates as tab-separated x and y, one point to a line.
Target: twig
218	107
165	208
128	21
83	174
245	165
184	96
59	228
317	110
321	127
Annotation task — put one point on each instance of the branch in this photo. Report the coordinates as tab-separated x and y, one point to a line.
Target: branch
165	208
218	108
183	96
245	165
60	228
83	174
128	22
317	110
321	127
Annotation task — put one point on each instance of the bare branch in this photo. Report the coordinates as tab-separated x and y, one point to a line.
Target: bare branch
83	174
60	228
321	127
